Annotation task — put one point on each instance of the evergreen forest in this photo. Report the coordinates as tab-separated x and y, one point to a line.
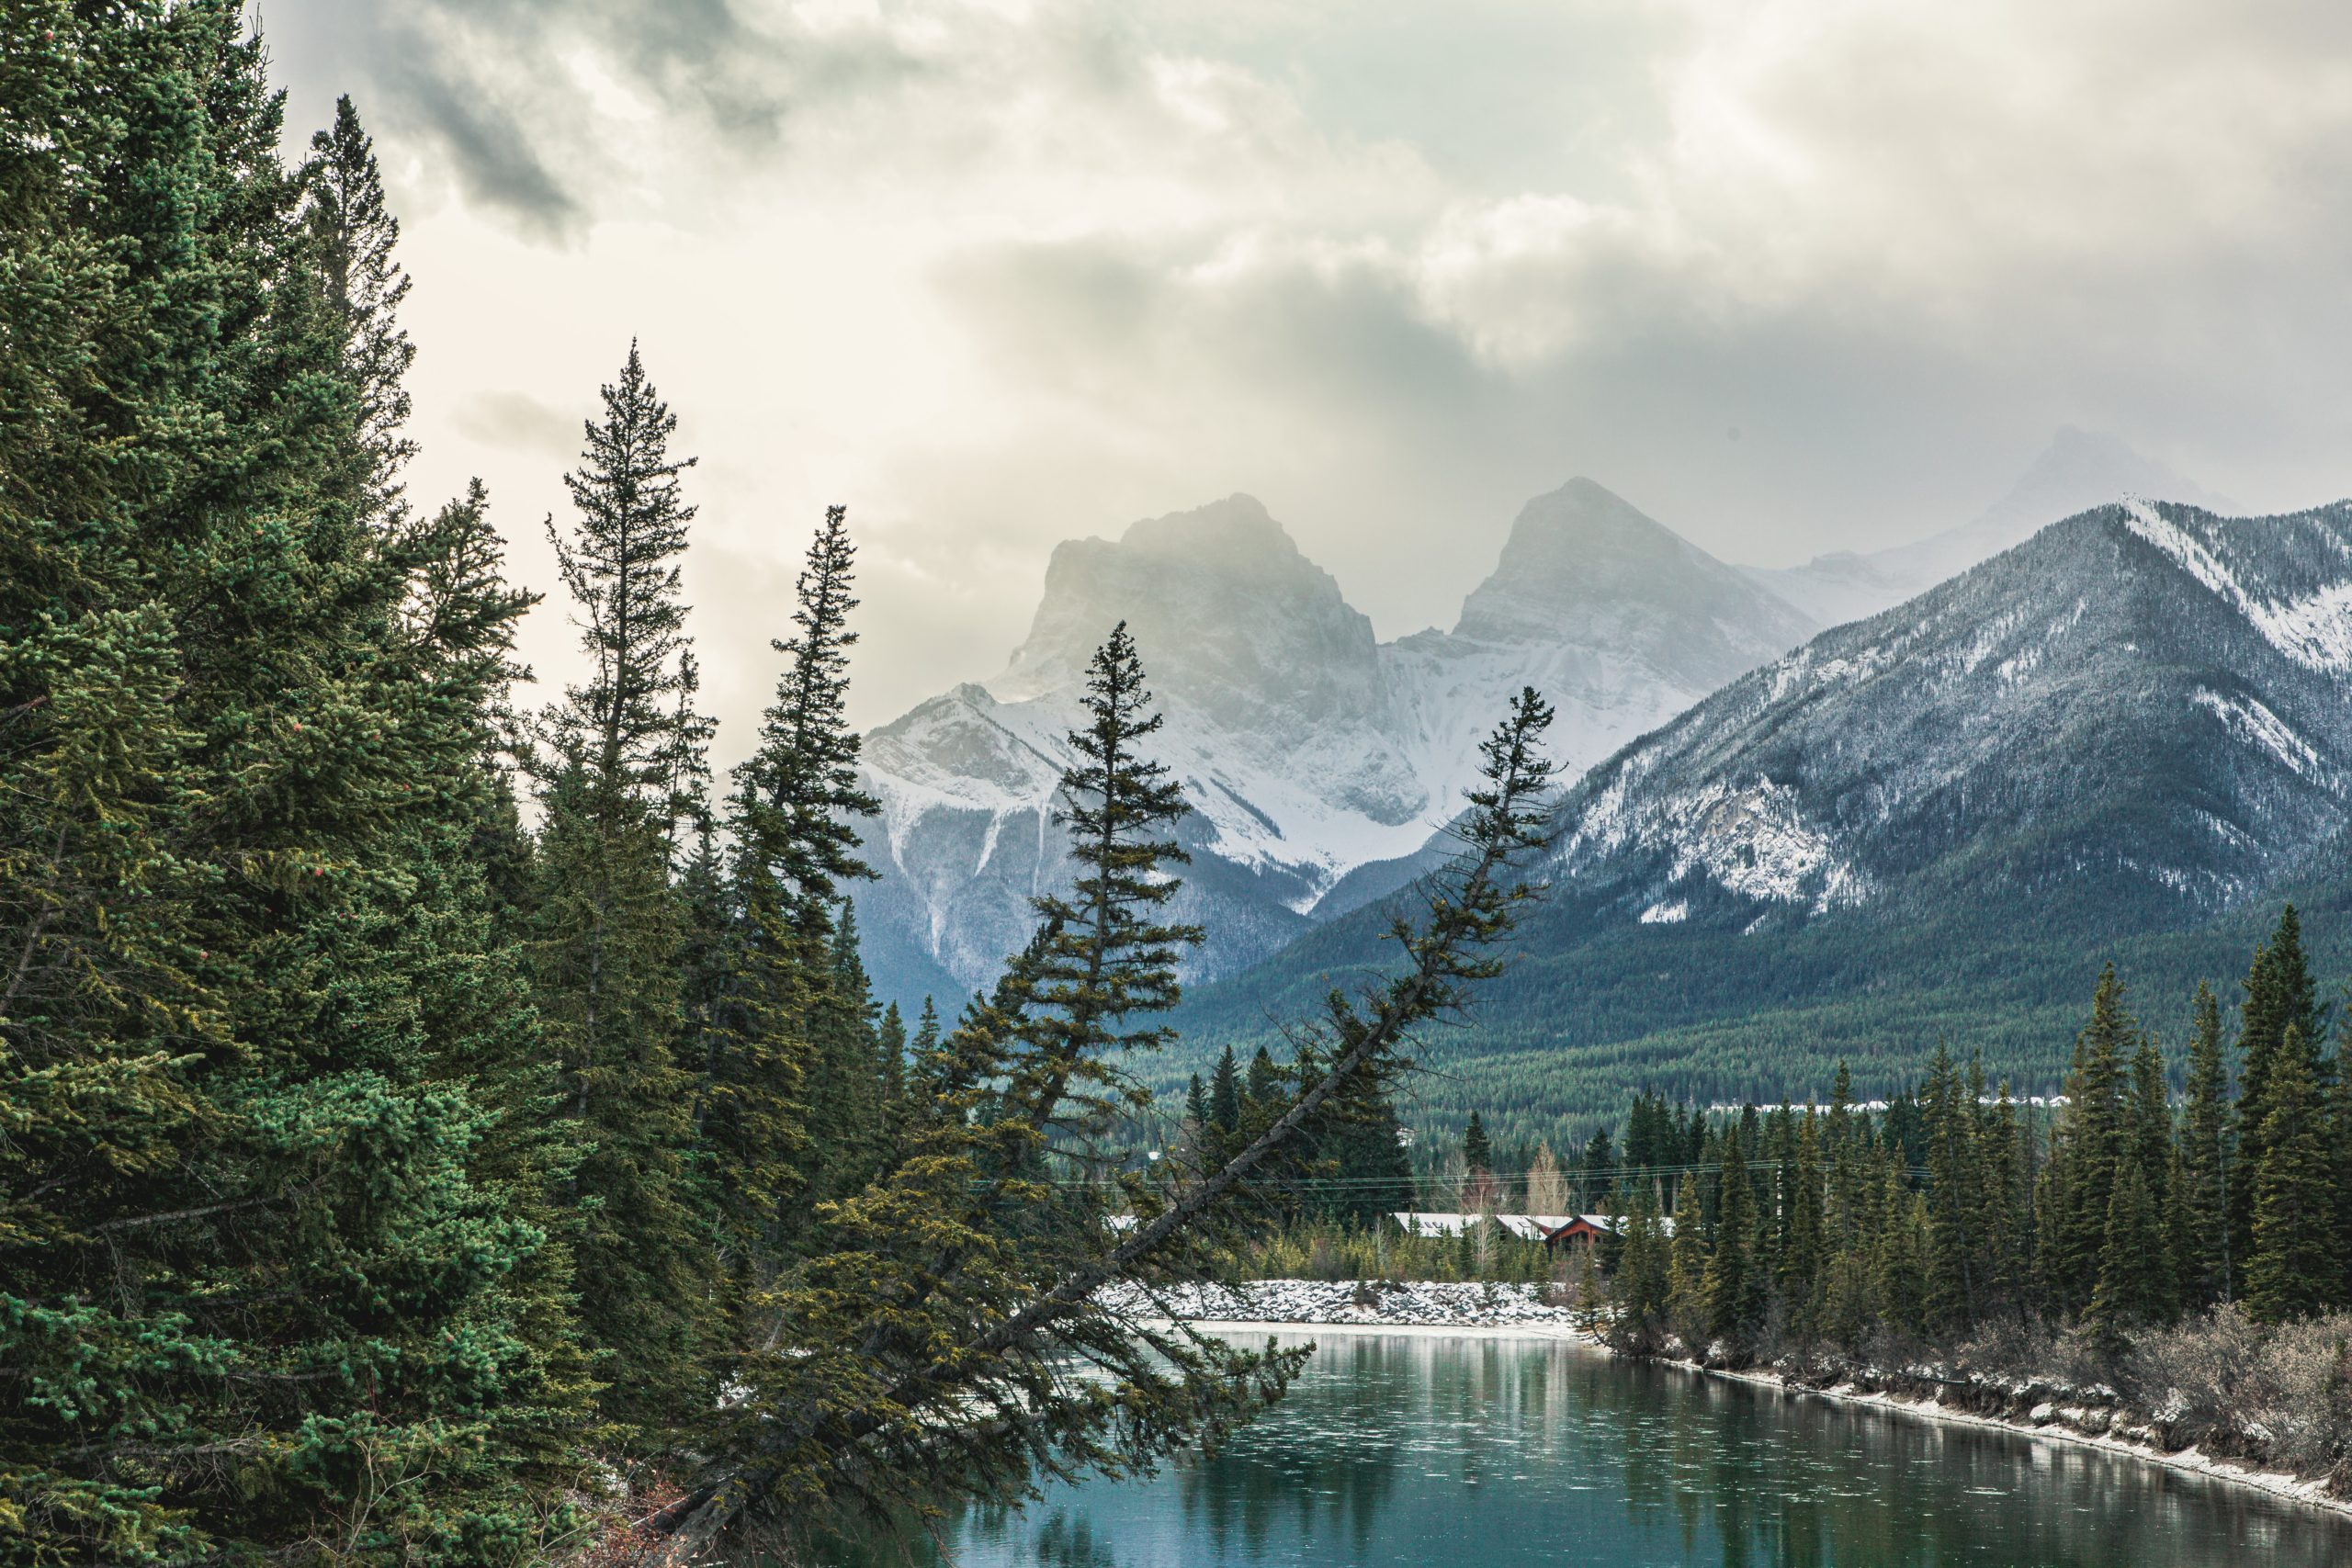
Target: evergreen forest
441	1129
447	1120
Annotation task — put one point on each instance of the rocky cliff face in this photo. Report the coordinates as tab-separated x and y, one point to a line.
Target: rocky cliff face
1307	749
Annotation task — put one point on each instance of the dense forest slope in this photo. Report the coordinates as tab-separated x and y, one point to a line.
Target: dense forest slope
2128	736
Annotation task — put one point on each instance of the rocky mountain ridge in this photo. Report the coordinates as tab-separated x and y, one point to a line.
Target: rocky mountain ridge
2130	735
1306	747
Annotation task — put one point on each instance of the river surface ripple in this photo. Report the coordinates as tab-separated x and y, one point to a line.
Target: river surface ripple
1489	1453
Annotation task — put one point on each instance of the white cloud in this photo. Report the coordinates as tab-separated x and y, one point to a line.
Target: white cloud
998	274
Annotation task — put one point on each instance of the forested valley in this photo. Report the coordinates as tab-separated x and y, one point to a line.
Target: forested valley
446	1122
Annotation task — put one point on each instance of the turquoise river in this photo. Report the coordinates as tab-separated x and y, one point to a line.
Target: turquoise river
1489	1452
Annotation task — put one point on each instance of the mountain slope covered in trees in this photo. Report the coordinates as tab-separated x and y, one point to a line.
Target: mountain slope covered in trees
2128	730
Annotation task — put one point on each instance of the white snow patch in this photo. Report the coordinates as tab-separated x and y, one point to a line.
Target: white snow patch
2251	720
1664	914
2315	630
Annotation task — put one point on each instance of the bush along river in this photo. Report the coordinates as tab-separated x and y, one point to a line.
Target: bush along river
1488	1452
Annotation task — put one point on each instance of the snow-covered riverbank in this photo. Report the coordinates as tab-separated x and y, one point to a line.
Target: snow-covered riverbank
1297	1308
1347	1304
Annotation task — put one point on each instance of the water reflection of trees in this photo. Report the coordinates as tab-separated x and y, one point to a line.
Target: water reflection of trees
1327	1465
1799	1482
1463	1451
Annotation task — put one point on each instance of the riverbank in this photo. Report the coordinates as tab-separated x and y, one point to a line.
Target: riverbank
2078	1418
1347	1303
2058	1424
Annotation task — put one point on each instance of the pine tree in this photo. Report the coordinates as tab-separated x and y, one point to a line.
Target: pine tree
2279	994
1476	1154
2134	1282
1197	1104
2291	1271
353	234
630	733
2203	1200
265	1220
1225	1094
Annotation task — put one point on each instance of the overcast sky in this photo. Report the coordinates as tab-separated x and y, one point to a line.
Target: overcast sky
1789	275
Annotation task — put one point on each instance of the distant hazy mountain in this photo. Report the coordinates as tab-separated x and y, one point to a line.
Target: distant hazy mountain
1307	749
2079	469
1932	821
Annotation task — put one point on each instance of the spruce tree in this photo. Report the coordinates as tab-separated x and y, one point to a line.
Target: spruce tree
1734	1282
2279	994
800	1065
2135	1285
1262	1085
353	234
2205	1149
1686	1275
1225	1094
1899	1266
1801	1262
269	1250
1477	1153
2292	1271
2101	1129
1954	1186
609	935
2339	1138
630	732
1642	1279
890	1038
803	775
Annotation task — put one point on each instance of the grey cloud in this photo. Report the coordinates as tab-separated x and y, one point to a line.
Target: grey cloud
512	419
486	80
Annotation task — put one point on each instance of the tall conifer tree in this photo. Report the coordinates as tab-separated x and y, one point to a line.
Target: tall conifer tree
2292	1271
2279	994
353	234
609	935
263	1253
2205	1148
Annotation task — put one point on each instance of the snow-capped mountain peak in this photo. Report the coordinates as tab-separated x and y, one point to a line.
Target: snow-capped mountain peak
1305	748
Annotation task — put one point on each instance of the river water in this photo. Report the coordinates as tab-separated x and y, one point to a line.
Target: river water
1493	1452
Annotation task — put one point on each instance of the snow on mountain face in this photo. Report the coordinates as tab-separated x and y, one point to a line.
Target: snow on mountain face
1620	621
2076	472
1305	747
2145	699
